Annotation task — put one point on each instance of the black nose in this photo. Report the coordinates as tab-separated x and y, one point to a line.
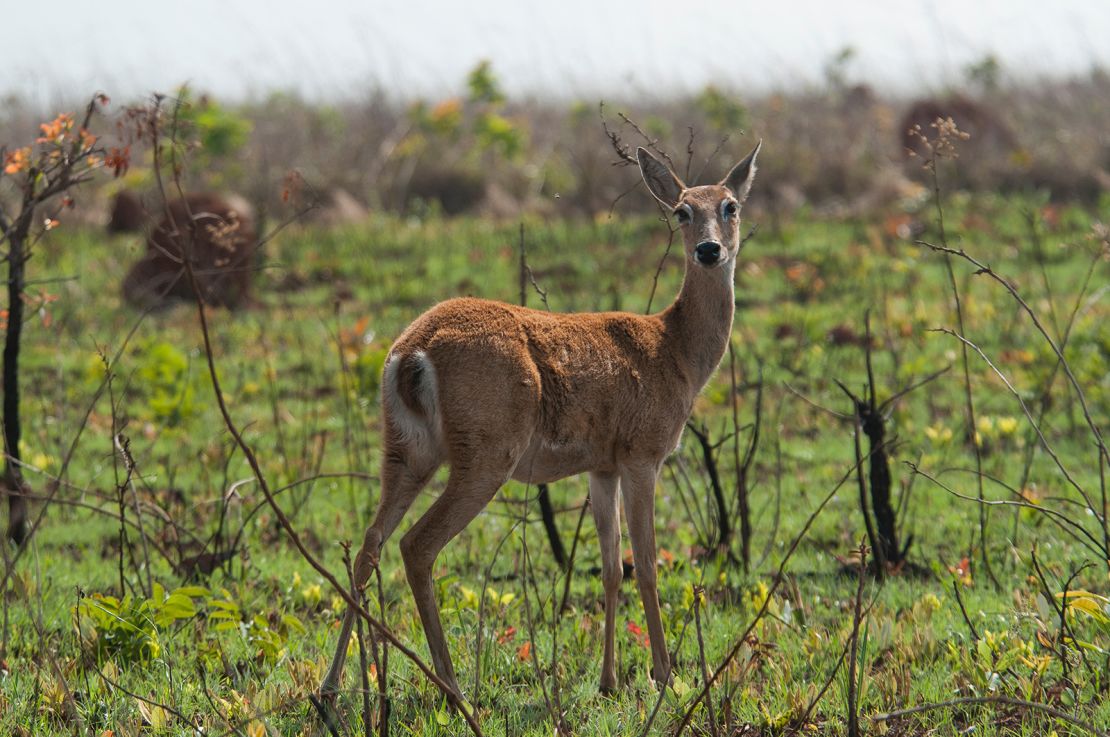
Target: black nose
708	252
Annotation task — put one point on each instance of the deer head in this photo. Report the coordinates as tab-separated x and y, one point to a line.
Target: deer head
708	215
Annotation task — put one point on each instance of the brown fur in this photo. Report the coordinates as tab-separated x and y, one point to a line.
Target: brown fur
217	237
497	391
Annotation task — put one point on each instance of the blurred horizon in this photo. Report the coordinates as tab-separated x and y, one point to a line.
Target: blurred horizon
247	49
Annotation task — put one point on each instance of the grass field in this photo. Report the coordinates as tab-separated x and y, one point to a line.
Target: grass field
102	638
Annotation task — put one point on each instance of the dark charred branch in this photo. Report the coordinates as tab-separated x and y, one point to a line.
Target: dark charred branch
709	460
17	260
547	514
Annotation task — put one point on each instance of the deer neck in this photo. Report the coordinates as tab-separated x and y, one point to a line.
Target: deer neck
699	322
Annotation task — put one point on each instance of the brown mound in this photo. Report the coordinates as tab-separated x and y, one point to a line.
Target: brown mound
218	240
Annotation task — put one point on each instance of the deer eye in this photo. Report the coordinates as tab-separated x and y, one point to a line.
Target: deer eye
682	214
729	209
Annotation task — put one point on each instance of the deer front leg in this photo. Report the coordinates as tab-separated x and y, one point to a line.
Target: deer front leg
605	505
638	489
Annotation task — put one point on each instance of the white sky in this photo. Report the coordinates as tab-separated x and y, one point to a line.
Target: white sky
52	51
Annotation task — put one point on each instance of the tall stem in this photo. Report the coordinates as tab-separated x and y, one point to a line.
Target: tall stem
17	259
969	401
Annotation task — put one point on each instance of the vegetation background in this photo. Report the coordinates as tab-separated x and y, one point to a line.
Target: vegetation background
955	299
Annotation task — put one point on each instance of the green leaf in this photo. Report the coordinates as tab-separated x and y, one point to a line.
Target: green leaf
293	623
197	592
179	607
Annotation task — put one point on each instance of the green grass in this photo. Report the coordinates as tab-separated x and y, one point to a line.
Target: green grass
301	373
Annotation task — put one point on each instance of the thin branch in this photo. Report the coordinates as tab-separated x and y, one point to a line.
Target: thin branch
1028	415
1070	525
853	661
452	698
985	269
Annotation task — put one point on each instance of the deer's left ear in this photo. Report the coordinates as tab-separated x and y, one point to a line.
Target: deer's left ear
739	180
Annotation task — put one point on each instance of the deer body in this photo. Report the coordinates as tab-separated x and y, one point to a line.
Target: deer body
596	388
498	391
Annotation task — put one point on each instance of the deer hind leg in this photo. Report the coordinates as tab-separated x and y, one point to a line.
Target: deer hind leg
605	505
470	488
638	491
402	479
413	447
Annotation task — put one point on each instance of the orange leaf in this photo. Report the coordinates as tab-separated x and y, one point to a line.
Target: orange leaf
638	633
962	571
17	160
55	131
87	139
524	652
118	160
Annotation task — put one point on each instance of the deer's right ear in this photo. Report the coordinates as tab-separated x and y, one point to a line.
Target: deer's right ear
660	180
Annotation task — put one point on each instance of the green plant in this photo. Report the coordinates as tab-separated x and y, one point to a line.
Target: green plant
725	113
368	371
266	636
163	377
127	630
216	132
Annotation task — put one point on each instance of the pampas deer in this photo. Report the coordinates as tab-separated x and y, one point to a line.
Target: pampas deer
497	391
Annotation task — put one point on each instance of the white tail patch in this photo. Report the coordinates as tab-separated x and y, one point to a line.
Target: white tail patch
420	433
